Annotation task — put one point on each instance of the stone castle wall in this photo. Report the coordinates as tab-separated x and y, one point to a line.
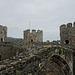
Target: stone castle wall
3	33
67	34
34	36
8	51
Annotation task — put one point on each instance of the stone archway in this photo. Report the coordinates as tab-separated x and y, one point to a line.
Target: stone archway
62	63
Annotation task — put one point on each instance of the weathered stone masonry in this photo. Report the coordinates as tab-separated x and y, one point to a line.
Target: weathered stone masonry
67	34
33	36
3	33
44	62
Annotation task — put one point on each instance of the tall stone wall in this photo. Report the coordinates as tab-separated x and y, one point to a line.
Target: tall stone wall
67	34
34	36
3	33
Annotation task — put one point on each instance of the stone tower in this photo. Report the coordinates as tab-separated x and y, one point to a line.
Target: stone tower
3	33
67	34
34	36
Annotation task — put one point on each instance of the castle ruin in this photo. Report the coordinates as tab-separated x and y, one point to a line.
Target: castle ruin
33	36
67	34
3	33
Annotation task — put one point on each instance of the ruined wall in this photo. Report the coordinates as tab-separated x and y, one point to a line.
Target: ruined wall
8	51
48	61
67	34
34	36
3	33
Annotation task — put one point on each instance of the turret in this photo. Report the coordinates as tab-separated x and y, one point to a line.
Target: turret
67	33
74	24
5	33
40	35
69	25
5	29
34	31
1	28
62	27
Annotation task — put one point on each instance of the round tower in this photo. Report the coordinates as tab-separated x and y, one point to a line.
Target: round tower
27	35
1	33
5	33
62	29
62	33
74	24
69	25
1	28
33	37
40	35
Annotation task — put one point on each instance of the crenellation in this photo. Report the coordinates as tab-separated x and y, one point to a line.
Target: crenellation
34	31
74	24
69	25
3	33
62	27
67	34
34	36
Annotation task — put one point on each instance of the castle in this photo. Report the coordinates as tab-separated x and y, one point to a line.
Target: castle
34	36
67	34
3	33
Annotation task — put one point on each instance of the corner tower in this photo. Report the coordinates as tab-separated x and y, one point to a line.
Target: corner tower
3	33
67	34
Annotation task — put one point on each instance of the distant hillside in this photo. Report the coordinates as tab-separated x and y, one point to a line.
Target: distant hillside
11	39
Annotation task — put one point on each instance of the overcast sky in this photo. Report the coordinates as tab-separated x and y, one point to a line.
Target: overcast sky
46	15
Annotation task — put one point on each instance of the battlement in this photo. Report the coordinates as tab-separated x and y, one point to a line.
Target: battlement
3	33
68	25
3	28
74	24
28	30
62	26
67	33
34	35
33	31
39	31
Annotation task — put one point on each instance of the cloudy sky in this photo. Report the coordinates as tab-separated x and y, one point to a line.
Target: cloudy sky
46	15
